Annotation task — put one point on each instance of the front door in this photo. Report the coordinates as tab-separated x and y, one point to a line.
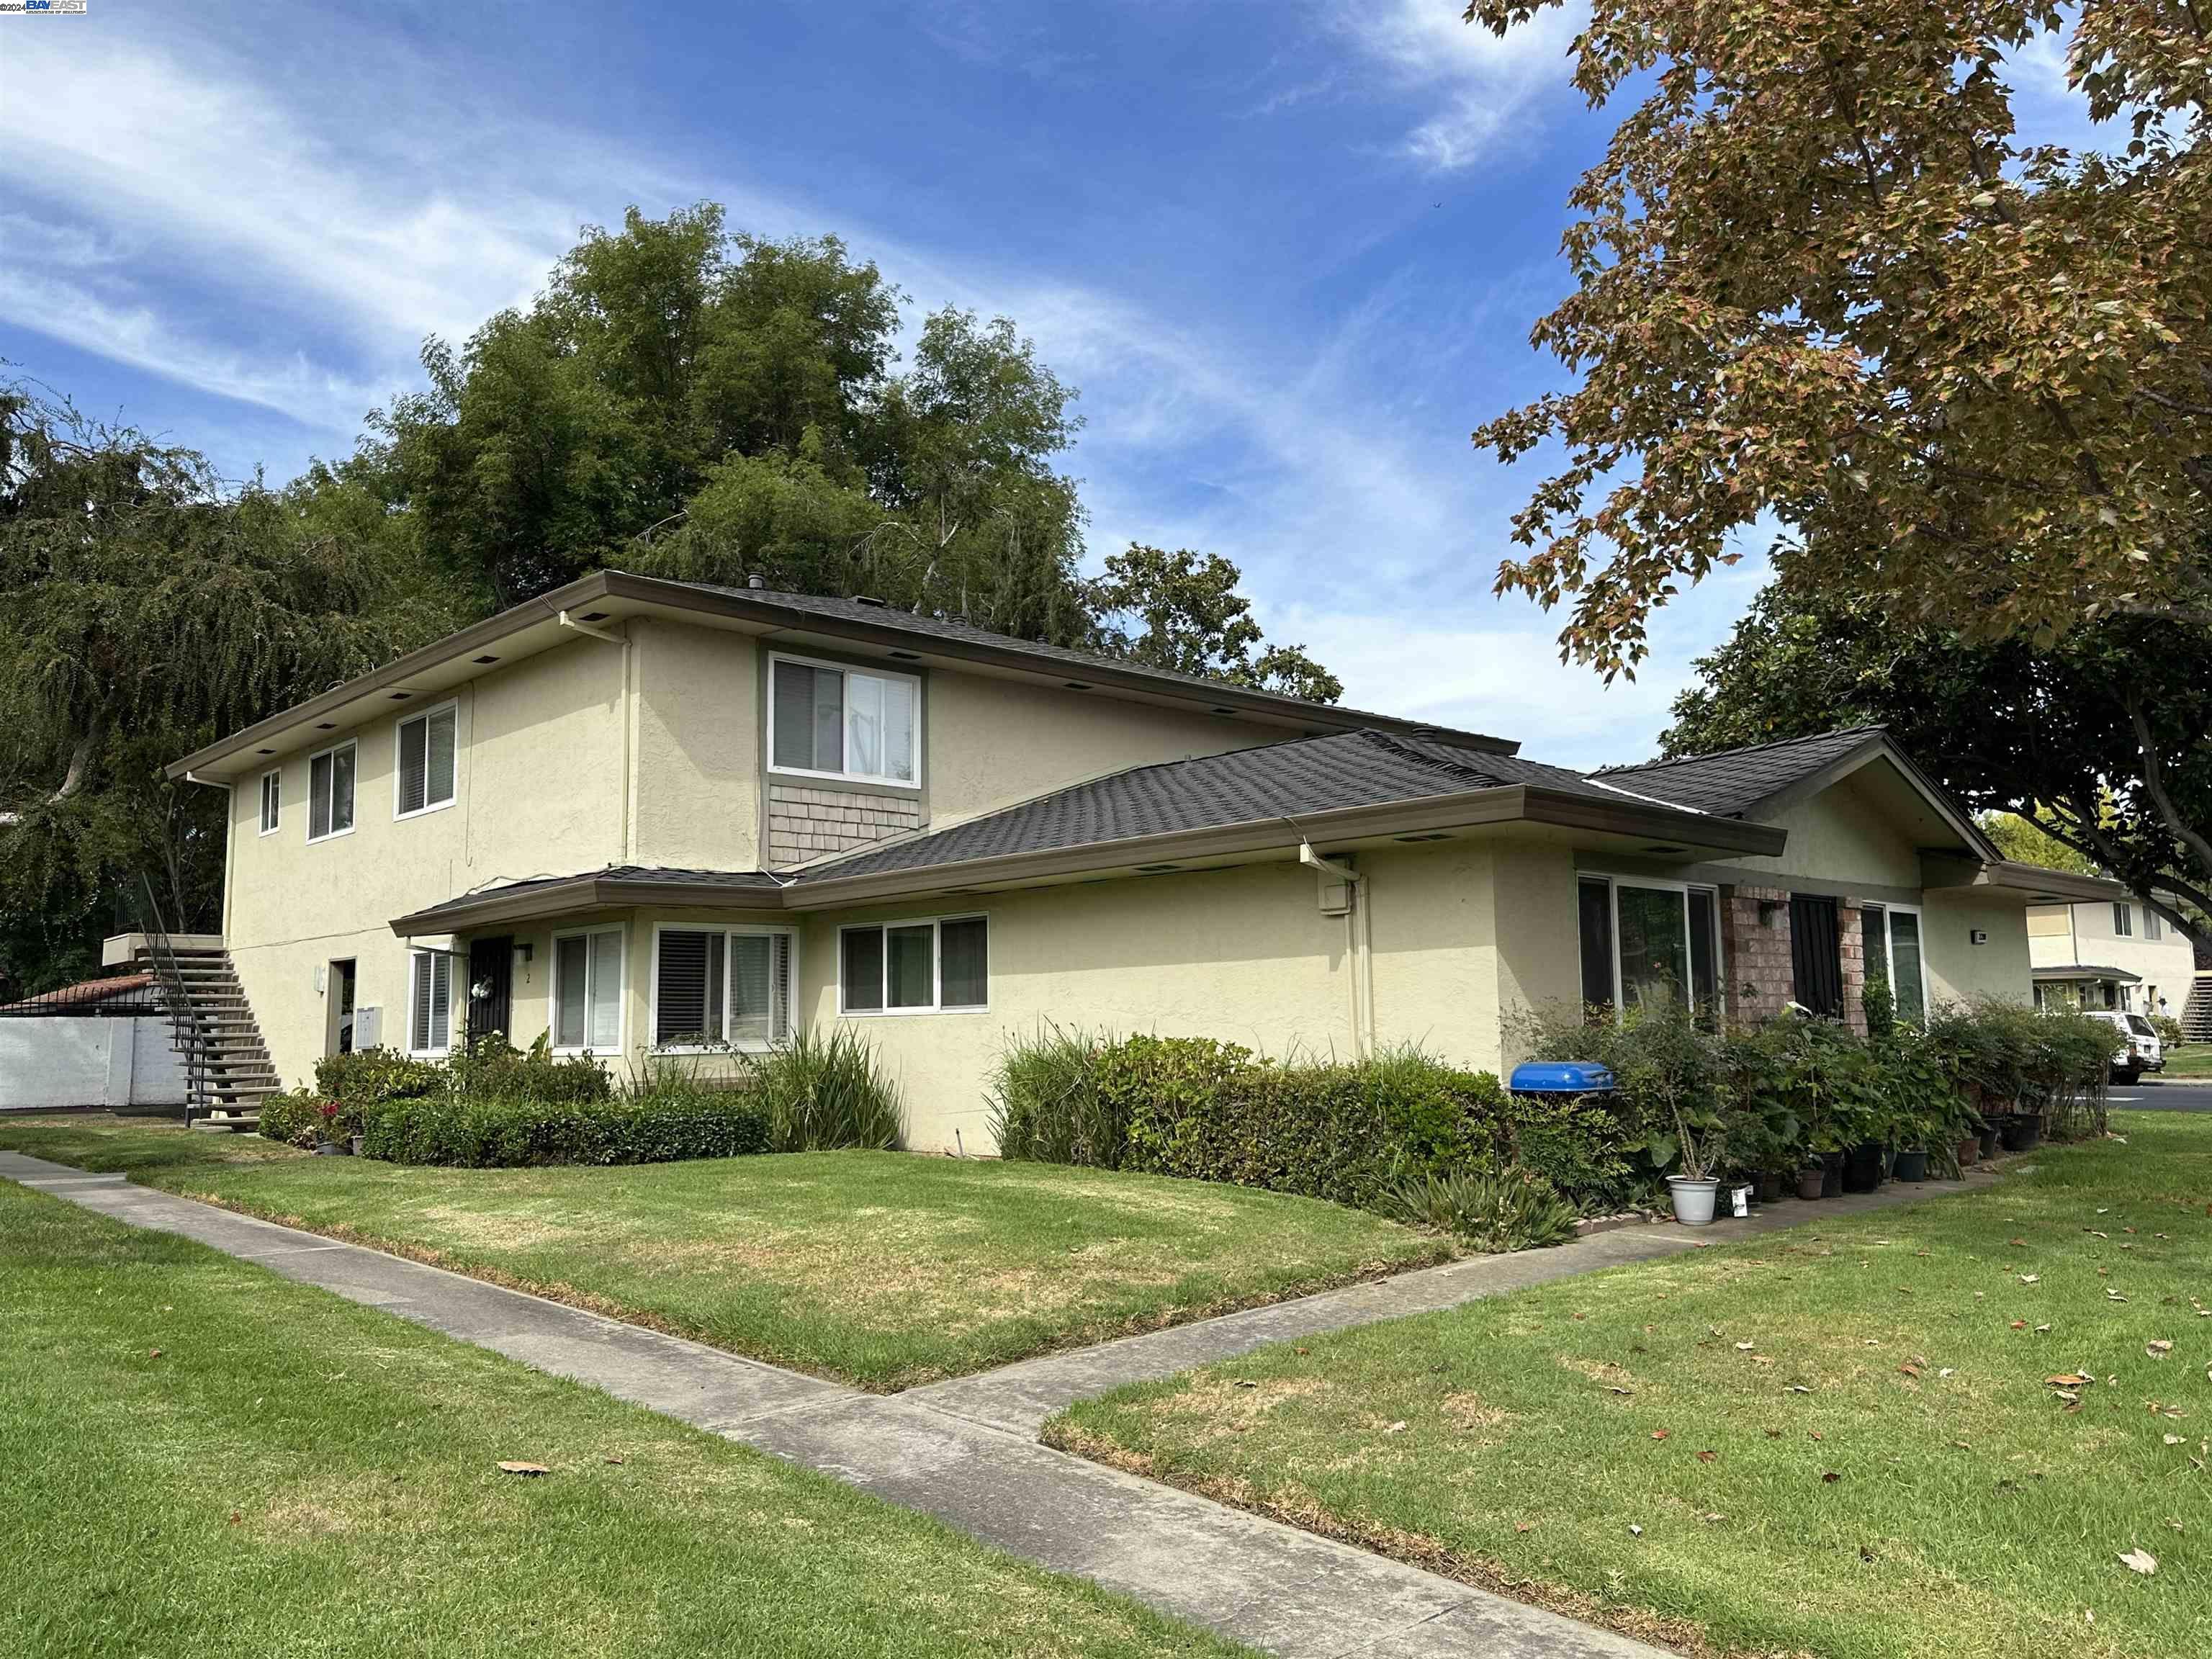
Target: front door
491	986
338	1040
1815	961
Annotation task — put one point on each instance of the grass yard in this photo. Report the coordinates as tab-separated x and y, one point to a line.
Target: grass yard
881	1268
2193	1061
1838	1440
202	1459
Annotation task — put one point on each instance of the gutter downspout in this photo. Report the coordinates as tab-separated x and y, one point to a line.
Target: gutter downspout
629	719
1360	943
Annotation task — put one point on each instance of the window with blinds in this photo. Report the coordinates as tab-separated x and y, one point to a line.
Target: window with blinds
713	988
330	792
425	769
430	1002
587	991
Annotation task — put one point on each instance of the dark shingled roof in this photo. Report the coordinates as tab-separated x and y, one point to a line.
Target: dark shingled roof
1275	781
960	633
1732	781
727	880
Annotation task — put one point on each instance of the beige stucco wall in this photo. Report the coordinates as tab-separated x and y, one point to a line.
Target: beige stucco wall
536	791
698	747
1960	970
1840	836
993	742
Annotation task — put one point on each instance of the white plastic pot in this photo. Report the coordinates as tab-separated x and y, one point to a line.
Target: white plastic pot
1693	1200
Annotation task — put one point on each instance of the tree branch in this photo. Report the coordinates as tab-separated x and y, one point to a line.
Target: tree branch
73	780
2154	785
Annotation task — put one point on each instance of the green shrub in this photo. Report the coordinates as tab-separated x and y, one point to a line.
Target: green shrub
1047	1106
368	1077
825	1091
294	1117
656	1128
1507	1209
491	1068
2168	1028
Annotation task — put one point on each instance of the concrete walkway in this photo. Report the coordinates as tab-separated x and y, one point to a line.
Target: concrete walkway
965	1452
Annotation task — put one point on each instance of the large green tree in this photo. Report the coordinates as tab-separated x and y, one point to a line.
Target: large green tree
1820	275
145	608
2057	736
1183	612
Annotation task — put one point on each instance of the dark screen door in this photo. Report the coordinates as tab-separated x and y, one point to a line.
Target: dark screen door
491	985
1816	965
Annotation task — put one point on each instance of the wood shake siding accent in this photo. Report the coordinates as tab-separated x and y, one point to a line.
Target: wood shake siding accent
805	821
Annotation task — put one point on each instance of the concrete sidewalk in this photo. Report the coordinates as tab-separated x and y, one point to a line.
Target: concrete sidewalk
966	1451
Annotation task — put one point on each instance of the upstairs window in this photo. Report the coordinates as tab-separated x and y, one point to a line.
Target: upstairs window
2123	919
827	721
330	792
914	967
714	989
425	772
272	801
2152	927
429	1002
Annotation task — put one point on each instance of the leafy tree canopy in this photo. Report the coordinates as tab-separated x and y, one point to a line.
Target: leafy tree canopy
145	609
1819	275
1181	611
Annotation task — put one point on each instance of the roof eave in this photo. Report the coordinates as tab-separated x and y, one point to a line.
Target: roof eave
583	894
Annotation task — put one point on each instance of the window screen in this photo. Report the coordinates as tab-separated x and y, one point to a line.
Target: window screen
760	988
910	976
1705	949
1654	945
330	792
1595	899
810	718
964	967
861	975
426	761
272	791
1905	967
572	976
688	988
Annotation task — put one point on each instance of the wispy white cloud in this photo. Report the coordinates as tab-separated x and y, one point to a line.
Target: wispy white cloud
1466	83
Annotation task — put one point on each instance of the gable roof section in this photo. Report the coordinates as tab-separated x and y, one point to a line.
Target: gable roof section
1742	783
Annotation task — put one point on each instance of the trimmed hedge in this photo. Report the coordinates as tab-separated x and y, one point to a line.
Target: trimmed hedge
480	1133
294	1117
1345	1132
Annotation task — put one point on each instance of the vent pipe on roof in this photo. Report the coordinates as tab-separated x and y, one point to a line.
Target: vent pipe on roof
756	581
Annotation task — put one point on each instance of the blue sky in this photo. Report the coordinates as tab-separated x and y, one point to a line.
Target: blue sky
1289	252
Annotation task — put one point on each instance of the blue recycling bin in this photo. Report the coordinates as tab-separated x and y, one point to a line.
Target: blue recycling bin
1554	1078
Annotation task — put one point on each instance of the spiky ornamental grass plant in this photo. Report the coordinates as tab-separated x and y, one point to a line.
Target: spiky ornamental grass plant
825	1090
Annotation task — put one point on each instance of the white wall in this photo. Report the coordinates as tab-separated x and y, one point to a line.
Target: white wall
46	1063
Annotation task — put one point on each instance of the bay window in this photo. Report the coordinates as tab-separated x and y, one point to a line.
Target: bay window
717	988
588	990
914	967
1647	942
830	721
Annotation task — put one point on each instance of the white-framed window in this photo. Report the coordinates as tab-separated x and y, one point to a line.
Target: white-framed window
272	800
2152	927
928	965
826	720
587	991
429	1002
422	767
721	987
330	792
2123	919
1646	942
1892	936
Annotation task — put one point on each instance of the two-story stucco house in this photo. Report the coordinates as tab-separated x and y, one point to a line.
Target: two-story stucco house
639	816
2113	952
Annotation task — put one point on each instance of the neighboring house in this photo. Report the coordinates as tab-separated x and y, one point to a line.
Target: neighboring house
644	816
102	1043
2113	952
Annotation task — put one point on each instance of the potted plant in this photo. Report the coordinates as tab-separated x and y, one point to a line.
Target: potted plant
1698	1148
331	1140
1813	1179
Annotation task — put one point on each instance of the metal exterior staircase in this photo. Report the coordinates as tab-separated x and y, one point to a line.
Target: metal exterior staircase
226	1064
2196	1013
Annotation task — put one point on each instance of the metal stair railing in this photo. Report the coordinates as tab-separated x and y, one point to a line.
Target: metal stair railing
186	1024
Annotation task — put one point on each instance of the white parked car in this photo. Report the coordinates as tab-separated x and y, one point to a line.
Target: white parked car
2140	1050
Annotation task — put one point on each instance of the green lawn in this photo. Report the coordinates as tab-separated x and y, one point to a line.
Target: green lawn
2194	1060
882	1269
1838	1440
202	1459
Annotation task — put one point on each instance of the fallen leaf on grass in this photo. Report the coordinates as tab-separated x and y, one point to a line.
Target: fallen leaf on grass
1398	1427
1745	1347
1948	1370
2173	1440
2140	1561
2068	1380
2019	1324
2158	1350
513	1468
2041	1329
2111	1295
2020	1242
1707	1456
1908	1369
613	1458
153	1354
1523	1526
1635	1531
2030	1278
1714	1518
1658	1434
1799	1387
1816	1434
1830	1477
